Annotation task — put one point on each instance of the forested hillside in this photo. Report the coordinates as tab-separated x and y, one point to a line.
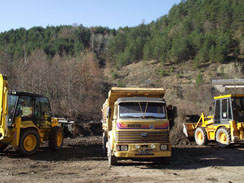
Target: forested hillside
64	62
200	30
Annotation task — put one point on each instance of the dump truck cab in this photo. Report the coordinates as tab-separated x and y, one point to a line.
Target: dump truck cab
136	125
224	127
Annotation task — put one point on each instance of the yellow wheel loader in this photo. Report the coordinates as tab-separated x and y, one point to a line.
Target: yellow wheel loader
225	127
26	122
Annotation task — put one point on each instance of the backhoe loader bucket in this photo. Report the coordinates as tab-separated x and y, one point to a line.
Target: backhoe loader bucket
189	130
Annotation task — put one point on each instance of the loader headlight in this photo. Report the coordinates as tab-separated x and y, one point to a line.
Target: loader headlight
163	147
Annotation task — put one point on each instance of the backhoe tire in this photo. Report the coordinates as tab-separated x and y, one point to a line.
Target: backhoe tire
200	136
56	138
3	147
223	137
29	142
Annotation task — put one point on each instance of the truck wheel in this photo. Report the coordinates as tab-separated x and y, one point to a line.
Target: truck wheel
104	142
112	160
200	136
3	147
56	138
223	137
29	142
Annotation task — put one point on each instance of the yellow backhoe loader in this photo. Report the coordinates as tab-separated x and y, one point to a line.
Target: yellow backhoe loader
26	121
225	127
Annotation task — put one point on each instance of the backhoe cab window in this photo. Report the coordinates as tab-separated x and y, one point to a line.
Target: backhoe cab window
12	100
25	106
45	107
238	109
142	110
42	109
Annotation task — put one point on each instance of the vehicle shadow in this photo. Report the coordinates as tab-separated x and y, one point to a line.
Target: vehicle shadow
73	152
201	157
183	157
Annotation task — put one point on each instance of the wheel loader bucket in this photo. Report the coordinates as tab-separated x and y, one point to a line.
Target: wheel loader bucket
189	130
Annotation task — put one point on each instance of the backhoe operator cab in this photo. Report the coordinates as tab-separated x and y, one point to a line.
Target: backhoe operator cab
26	121
225	127
30	107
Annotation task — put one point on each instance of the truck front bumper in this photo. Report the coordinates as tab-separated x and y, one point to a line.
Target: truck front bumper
144	150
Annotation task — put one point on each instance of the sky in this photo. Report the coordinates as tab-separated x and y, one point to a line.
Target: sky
108	13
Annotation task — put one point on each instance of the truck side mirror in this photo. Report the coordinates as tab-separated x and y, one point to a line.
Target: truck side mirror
172	111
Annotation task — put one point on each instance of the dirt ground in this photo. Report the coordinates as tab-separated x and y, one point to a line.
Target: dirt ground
81	160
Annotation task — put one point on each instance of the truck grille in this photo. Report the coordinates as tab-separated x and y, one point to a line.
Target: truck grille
142	136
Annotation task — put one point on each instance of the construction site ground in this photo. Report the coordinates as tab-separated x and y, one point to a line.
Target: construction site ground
81	160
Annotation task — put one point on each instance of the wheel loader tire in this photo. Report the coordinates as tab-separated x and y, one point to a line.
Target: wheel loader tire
29	142
223	137
3	147
112	160
56	138
200	136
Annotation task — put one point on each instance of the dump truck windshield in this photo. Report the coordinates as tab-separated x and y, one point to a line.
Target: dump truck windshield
142	110
12	100
238	109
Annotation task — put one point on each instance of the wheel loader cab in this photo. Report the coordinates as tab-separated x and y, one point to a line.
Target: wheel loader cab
227	109
223	111
30	107
238	109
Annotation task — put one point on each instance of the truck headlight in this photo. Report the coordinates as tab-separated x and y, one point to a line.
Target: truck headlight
153	146
163	147
124	148
138	146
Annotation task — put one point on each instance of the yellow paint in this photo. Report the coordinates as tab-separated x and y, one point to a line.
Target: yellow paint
30	142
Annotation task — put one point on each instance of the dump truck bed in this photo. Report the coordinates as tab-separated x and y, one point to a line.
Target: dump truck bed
117	92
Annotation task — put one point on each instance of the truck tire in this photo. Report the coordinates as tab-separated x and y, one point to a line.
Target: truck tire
104	142
200	136
29	142
56	137
3	147
112	160
223	137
